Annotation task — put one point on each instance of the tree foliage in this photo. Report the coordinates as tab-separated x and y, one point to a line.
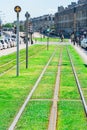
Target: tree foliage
8	25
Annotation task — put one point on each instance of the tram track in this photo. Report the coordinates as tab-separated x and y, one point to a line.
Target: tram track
54	109
77	82
17	117
53	114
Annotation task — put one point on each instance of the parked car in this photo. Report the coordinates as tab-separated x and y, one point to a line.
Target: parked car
11	42
13	36
8	38
14	39
4	44
84	43
1	46
14	42
8	43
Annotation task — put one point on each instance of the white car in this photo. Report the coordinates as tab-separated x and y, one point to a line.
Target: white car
11	42
4	44
14	39
1	46
8	43
14	42
13	36
84	43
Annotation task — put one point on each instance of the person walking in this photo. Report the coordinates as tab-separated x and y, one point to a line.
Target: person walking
62	37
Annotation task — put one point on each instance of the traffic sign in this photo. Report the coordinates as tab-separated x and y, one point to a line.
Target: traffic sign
27	15
17	9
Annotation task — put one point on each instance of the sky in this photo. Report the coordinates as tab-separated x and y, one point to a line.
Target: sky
35	8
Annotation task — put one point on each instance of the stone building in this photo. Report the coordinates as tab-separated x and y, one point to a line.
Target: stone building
40	24
82	1
72	18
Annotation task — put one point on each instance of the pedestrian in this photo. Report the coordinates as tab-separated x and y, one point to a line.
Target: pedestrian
62	37
73	38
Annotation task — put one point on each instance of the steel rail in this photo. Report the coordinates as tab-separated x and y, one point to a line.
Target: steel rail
78	83
53	114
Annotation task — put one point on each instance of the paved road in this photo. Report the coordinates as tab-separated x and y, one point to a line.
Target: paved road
11	50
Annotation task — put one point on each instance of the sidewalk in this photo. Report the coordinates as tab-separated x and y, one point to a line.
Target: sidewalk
81	52
12	49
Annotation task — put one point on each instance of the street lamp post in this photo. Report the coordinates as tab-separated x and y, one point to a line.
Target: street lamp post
27	15
48	30
74	26
17	10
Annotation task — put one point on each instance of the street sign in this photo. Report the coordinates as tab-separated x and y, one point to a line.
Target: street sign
17	9
27	15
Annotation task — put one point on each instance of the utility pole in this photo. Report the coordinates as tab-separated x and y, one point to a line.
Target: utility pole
74	23
27	15
48	31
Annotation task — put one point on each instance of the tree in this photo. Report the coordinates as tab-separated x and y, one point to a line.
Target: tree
8	25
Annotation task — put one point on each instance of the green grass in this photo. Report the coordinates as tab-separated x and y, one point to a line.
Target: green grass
47	83
71	116
11	58
68	88
69	93
50	39
13	90
67	79
80	67
35	116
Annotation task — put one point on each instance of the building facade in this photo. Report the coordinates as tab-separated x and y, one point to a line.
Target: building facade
72	18
40	24
82	1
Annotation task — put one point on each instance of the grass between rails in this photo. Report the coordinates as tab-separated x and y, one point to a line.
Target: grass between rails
35	116
71	115
68	88
46	86
44	90
13	90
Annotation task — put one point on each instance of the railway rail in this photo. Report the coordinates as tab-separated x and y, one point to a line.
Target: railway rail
12	126
54	110
53	115
77	82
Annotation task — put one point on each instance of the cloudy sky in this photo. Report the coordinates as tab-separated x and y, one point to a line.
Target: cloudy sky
34	7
